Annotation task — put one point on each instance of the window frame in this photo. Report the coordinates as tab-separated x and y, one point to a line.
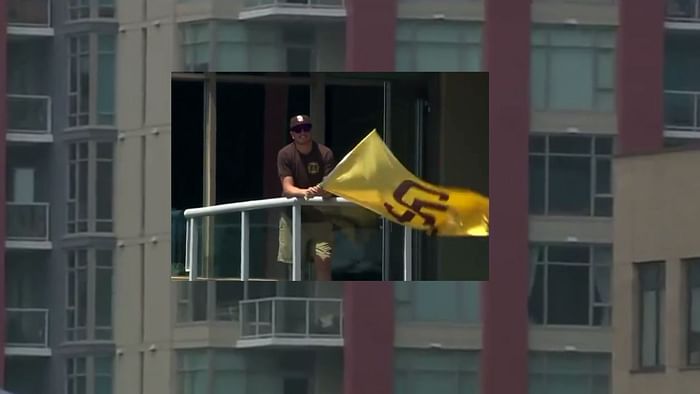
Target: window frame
599	48
90	374
545	372
94	53
405	295
592	266
93	8
659	296
72	302
92	221
466	44
593	158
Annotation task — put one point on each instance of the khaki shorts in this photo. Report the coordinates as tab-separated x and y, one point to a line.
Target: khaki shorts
316	234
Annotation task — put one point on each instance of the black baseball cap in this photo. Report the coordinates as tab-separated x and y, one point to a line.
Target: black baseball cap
299	120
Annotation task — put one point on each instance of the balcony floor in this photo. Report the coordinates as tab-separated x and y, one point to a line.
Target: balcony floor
30	31
32	245
30	137
27	351
278	342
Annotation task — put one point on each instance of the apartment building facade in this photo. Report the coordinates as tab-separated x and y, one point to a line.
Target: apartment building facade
546	314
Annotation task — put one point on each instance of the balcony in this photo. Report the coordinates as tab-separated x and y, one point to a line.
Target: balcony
29	118
29	17
682	114
291	321
291	10
216	241
28	225
27	331
683	11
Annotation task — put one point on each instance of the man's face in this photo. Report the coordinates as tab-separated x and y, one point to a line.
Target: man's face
301	134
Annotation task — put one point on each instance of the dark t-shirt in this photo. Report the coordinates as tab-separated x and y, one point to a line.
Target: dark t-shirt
306	170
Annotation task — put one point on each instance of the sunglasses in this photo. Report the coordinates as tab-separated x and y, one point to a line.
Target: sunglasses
299	129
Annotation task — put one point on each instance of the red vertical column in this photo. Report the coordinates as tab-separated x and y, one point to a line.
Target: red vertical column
370	35
368	353
368	330
504	296
639	76
275	130
274	138
3	169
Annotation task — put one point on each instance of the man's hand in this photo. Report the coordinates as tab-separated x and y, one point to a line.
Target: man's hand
313	191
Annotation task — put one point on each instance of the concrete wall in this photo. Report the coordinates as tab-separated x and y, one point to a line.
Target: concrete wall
656	212
143	313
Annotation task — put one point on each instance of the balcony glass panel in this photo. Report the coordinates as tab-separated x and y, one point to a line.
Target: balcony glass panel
682	111
29	13
291	317
28	114
27	327
28	221
683	10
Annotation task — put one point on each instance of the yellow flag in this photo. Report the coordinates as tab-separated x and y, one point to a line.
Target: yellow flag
372	177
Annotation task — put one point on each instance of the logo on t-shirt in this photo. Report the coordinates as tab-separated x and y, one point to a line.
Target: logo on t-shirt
313	168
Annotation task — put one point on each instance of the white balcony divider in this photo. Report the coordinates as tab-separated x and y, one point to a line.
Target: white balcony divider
28	327
22	223
271	327
192	233
25	118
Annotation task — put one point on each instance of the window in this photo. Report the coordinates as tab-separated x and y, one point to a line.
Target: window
570	284
90	185
437	301
89	295
571	175
206	371
299	49
571	373
89	9
438	46
89	375
651	278
196	46
192	302
418	371
193	372
693	346
92	63
558	52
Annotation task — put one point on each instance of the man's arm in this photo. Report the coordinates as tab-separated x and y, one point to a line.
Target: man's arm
289	190
284	171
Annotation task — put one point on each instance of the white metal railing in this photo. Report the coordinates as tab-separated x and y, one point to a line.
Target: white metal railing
682	111
295	3
28	327
32	13
28	221
192	243
291	317
28	113
683	10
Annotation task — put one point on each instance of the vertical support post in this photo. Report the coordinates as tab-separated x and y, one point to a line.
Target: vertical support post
407	254
245	252
209	175
193	254
296	241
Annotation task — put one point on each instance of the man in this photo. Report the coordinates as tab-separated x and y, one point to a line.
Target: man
301	166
